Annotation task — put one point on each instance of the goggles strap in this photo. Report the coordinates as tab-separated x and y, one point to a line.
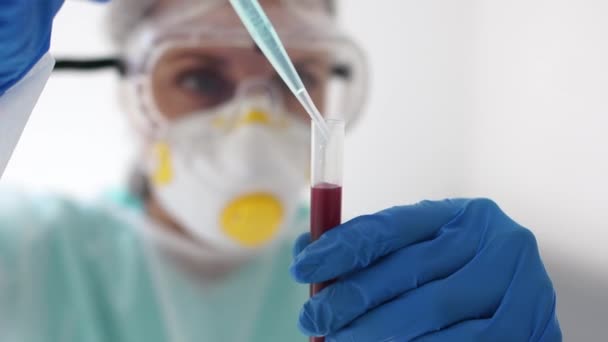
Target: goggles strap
93	64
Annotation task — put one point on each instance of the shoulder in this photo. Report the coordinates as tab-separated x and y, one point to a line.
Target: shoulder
29	211
26	214
46	221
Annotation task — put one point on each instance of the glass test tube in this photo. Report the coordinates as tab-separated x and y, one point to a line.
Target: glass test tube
326	187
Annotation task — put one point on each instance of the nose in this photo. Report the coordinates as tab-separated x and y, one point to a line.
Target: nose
260	104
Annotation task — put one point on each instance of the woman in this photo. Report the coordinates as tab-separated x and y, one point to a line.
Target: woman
199	247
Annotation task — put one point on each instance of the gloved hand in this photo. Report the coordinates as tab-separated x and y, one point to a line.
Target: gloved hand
449	271
25	33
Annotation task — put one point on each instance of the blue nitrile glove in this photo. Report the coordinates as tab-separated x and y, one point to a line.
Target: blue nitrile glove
449	271
25	33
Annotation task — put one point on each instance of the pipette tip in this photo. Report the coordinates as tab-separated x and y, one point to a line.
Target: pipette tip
306	101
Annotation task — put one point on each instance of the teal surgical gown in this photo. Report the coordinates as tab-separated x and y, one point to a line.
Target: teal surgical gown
100	273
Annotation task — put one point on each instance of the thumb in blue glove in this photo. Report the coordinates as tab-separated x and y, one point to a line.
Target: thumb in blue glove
455	270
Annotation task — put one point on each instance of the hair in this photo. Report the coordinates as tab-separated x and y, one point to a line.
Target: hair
125	15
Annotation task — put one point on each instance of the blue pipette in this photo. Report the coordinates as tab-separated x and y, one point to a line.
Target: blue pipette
265	36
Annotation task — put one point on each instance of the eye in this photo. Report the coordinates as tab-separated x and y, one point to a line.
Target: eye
310	80
207	83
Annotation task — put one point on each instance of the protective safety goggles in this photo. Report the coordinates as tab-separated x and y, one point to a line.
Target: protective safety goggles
194	57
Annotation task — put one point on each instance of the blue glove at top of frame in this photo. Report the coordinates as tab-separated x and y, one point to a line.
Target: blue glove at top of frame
455	270
25	33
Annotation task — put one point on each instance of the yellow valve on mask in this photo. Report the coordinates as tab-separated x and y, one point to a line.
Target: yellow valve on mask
255	117
252	219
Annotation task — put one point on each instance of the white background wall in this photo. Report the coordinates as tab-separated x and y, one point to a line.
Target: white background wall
502	99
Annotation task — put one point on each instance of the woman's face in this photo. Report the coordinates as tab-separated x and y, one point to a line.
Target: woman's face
198	77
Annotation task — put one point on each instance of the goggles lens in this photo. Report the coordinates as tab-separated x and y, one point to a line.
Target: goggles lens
195	79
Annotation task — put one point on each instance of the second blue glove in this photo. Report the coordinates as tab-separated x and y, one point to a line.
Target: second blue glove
456	270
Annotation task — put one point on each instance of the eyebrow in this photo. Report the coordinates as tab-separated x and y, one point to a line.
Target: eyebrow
306	62
213	60
303	62
309	60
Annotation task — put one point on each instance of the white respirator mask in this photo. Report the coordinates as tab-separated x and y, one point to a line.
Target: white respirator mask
231	176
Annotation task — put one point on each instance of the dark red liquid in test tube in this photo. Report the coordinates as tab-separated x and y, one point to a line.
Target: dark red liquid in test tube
325	214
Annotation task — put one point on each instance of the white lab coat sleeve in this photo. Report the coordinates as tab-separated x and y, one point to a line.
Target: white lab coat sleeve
17	104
